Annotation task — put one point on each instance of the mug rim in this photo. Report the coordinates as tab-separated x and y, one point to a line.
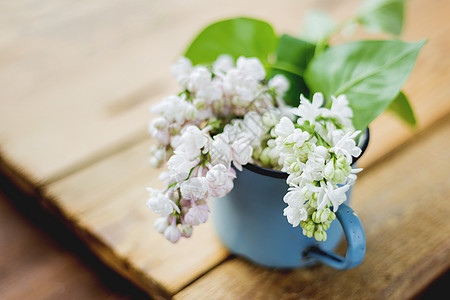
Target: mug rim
364	140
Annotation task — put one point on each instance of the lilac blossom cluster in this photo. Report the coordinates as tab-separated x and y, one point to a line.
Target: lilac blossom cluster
317	153
219	120
228	115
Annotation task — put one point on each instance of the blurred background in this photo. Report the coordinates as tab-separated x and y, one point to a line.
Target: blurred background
76	81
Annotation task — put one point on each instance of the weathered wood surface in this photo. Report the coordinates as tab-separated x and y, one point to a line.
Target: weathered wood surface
33	266
403	203
75	84
76	80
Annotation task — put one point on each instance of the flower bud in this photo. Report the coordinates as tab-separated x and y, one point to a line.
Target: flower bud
320	236
160	123
269	119
321	215
172	233
186	230
161	224
264	157
328	171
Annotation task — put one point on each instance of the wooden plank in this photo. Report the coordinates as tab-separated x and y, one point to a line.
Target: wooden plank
81	77
81	82
33	266
105	204
403	203
95	105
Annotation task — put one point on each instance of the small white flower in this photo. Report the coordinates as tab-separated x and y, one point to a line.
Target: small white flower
284	128
199	78
279	83
295	215
160	203
220	150
241	153
297	138
340	110
308	111
295	197
220	180
330	195
192	140
181	70
212	92
195	188
180	165
251	67
172	233
175	109
346	146
197	215
223	64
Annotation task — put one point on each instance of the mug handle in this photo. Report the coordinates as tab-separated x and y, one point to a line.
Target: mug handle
356	242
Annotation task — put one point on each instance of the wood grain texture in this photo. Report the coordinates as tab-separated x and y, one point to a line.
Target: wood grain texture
75	84
403	204
81	77
34	266
105	203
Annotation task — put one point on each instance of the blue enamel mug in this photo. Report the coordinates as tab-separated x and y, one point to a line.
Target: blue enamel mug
249	220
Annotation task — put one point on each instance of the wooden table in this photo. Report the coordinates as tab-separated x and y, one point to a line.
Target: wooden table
76	81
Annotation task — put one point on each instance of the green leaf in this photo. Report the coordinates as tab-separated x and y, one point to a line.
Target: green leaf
401	108
293	54
317	26
292	57
236	37
382	15
369	73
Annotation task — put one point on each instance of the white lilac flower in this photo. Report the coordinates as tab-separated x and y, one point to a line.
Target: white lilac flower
211	93
175	109
295	197
181	70
297	138
346	146
241	152
195	188
330	195
251	67
192	140
284	128
309	111
172	233
340	110
180	165
160	203
223	64
199	79
220	180
197	215
279	83
295	215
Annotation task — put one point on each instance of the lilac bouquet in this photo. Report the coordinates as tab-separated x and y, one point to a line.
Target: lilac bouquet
243	100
